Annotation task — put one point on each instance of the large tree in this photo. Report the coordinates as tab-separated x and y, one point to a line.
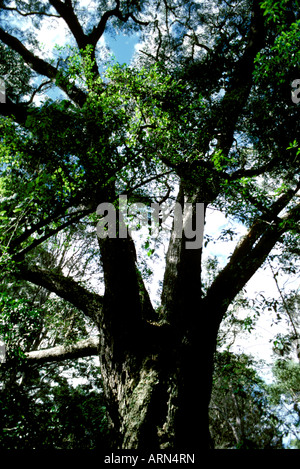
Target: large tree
205	112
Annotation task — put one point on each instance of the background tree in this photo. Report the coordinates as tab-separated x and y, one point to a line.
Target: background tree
285	393
40	407
240	412
196	110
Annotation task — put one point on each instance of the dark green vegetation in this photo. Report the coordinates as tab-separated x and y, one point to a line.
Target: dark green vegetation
203	115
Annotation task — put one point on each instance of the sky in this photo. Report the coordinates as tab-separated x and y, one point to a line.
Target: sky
123	47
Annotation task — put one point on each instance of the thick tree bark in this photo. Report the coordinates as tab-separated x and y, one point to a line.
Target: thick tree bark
151	369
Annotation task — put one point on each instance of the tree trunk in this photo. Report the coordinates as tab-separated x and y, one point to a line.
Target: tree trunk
158	398
157	374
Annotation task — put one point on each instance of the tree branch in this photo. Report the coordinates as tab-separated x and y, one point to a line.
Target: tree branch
77	216
83	348
29	13
66	11
240	83
58	212
88	302
38	90
98	30
250	172
249	255
43	68
182	277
